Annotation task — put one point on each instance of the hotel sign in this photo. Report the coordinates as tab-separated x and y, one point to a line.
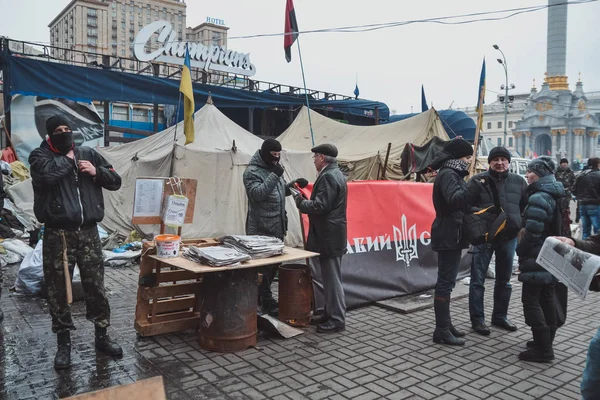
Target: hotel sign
216	58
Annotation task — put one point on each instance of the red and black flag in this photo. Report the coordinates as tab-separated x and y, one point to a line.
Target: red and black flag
291	29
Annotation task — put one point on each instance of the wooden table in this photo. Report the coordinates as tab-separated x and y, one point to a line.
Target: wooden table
168	287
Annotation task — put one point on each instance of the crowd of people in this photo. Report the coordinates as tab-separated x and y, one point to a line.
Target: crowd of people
68	182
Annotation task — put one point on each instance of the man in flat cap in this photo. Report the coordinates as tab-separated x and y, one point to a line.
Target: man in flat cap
327	235
67	187
266	190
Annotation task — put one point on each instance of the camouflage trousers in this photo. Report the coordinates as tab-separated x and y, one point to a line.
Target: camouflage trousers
84	248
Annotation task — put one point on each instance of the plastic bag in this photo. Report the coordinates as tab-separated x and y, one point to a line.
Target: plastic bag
30	275
175	209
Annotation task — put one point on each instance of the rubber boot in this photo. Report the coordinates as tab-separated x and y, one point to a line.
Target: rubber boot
62	360
455	331
442	333
542	352
106	345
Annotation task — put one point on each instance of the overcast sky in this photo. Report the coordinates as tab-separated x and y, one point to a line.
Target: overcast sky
392	63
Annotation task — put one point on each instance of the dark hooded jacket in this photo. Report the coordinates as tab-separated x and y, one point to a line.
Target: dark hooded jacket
538	224
512	196
326	209
266	193
451	199
64	197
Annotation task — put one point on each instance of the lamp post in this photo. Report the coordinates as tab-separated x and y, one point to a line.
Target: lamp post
503	63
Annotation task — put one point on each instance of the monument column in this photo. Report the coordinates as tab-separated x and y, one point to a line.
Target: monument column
517	135
578	143
593	140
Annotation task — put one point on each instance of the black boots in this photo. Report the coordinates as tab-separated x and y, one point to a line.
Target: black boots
106	345
62	360
542	350
531	344
444	331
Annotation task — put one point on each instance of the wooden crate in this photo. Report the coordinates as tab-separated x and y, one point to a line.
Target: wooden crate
166	298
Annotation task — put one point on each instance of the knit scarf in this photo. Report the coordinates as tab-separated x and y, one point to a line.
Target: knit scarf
457	164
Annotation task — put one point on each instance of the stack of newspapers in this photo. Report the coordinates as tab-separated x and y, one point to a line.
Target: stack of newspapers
255	246
215	256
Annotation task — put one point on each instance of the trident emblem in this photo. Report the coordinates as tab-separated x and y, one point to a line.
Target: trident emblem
406	242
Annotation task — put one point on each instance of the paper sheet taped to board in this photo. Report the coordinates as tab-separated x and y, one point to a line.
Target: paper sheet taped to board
148	197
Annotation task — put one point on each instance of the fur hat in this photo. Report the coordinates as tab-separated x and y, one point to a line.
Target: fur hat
542	166
498	151
458	148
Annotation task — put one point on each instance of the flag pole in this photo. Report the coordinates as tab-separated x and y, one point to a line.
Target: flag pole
312	136
477	132
175	136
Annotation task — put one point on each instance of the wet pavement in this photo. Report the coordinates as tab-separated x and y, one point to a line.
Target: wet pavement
381	354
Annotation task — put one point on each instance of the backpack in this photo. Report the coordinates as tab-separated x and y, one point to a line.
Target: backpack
483	225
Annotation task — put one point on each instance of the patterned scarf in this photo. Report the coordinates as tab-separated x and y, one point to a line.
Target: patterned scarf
457	164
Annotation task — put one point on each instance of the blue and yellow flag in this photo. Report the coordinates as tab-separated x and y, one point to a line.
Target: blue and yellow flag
481	97
185	87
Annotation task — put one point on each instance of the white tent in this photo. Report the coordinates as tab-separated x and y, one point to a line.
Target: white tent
362	149
212	159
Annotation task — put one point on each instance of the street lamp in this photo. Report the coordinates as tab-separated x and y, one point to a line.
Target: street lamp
503	63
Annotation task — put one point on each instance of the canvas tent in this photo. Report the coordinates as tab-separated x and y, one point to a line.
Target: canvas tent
362	149
221	201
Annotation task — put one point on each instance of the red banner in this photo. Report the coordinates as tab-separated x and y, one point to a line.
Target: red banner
389	250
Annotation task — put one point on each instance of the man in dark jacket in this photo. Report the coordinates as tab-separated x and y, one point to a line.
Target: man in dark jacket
565	175
587	191
508	190
539	305
266	190
67	187
327	234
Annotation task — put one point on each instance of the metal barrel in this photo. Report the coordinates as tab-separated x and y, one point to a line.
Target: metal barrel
295	294
228	310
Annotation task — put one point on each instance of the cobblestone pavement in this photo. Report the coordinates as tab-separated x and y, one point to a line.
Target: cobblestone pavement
381	354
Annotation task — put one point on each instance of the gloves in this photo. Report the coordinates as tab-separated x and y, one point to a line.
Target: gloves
301	182
297	198
277	169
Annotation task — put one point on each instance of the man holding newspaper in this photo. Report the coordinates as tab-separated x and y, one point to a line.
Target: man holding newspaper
590	383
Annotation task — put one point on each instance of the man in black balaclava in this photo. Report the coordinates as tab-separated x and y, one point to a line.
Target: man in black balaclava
67	187
266	190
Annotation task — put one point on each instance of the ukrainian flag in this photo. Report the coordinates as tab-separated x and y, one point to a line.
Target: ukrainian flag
481	97
185	87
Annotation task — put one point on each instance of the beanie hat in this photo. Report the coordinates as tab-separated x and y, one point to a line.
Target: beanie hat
54	122
458	148
498	151
564	160
542	166
270	145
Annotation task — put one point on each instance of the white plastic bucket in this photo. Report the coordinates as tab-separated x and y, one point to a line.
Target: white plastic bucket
167	246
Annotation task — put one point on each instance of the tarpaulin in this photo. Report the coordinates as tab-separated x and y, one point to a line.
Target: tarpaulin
389	242
49	79
418	158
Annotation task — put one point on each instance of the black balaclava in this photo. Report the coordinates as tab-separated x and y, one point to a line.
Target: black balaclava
267	147
62	142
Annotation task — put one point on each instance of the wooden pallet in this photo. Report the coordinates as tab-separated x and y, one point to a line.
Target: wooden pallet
166	298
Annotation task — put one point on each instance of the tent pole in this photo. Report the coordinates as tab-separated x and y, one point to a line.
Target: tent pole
312	136
387	157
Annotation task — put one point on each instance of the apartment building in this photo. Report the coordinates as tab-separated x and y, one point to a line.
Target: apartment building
109	27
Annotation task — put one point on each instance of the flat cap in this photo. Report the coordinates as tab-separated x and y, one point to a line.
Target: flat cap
326	149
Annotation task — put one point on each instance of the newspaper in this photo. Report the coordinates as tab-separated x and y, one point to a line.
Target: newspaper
573	267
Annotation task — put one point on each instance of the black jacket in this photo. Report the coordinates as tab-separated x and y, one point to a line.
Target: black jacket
266	193
511	195
587	187
451	199
65	198
326	211
538	224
